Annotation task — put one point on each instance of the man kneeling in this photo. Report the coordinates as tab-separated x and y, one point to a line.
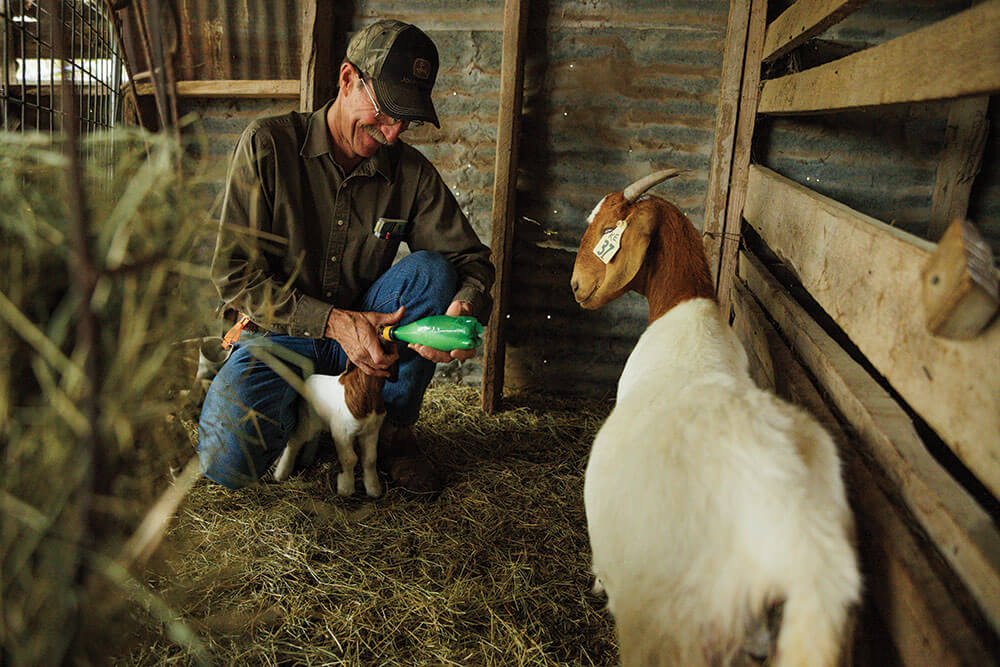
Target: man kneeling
315	208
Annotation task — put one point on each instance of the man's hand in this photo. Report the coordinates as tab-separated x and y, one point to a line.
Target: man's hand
357	334
440	356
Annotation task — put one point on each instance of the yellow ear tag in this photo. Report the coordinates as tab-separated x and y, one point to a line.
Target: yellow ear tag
609	244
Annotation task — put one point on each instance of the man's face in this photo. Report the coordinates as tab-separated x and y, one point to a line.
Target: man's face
361	129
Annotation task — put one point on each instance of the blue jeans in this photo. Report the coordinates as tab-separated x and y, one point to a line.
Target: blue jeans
250	411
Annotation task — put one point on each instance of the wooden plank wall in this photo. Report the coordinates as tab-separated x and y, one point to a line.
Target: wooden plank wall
824	290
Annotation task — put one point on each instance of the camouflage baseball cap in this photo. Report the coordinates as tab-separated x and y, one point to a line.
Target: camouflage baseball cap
401	63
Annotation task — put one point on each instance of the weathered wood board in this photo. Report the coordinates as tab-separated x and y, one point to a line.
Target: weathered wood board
867	276
964	534
803	20
906	69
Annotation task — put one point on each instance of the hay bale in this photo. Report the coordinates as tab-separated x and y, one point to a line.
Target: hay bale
65	517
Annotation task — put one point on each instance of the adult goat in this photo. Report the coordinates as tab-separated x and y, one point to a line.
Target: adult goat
709	501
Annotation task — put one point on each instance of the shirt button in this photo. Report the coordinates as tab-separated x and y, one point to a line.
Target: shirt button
329	293
333	259
340	223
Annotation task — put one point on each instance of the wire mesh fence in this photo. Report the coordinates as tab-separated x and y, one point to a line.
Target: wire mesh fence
33	72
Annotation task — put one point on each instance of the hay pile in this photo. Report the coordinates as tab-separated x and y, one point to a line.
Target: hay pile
495	571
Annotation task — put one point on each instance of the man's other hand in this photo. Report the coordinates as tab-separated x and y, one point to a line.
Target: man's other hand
440	356
357	334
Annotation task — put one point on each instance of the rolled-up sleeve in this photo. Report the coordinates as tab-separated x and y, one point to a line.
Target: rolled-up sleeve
440	225
247	267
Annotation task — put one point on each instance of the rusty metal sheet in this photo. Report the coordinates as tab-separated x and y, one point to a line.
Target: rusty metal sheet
239	39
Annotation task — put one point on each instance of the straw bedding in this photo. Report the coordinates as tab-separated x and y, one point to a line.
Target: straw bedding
494	571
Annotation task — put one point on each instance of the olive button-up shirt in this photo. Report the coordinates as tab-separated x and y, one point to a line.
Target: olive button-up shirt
296	236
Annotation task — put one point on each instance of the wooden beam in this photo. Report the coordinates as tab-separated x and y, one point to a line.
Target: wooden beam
278	89
964	535
923	617
163	84
749	94
318	71
752	328
725	129
867	276
803	21
961	158
955	57
504	196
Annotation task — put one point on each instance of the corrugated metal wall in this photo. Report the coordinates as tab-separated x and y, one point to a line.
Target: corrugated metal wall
612	91
239	39
612	95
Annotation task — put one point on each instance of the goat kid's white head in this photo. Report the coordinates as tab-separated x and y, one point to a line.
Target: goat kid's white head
598	281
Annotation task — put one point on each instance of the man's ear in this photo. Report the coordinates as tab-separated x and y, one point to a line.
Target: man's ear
346	76
634	244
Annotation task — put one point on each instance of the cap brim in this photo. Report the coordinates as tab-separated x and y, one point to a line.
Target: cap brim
405	102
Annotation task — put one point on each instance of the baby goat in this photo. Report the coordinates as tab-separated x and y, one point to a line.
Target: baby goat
708	500
350	404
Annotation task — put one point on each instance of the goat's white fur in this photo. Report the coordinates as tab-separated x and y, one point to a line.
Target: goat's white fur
709	499
324	404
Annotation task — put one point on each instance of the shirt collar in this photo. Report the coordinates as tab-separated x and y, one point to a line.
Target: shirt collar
319	142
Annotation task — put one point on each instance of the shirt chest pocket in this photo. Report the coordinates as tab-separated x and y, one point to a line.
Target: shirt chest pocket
376	257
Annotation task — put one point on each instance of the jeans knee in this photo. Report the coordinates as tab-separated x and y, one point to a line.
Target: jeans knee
218	445
434	266
437	274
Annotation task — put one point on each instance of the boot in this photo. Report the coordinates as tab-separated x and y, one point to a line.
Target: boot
404	463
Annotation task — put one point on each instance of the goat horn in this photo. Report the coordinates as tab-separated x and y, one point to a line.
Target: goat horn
633	191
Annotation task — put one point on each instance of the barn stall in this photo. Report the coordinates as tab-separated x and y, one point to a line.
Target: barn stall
830	148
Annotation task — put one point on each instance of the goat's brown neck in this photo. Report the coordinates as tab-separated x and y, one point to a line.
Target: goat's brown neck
362	392
675	268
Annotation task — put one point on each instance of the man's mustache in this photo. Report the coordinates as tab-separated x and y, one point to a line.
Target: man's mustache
376	134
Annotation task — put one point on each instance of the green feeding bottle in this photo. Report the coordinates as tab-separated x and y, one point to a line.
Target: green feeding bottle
442	332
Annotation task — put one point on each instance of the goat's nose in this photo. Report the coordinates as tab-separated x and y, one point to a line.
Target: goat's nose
574	284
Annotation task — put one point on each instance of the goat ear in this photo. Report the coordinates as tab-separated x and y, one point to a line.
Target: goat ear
634	244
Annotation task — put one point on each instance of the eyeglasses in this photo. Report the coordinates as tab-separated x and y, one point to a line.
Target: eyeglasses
382	118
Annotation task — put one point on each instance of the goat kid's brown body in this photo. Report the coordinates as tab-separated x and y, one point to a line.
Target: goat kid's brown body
351	407
362	392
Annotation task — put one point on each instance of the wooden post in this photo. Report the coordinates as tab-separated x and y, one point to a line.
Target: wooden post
725	129
749	94
160	63
504	194
961	158
318	81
